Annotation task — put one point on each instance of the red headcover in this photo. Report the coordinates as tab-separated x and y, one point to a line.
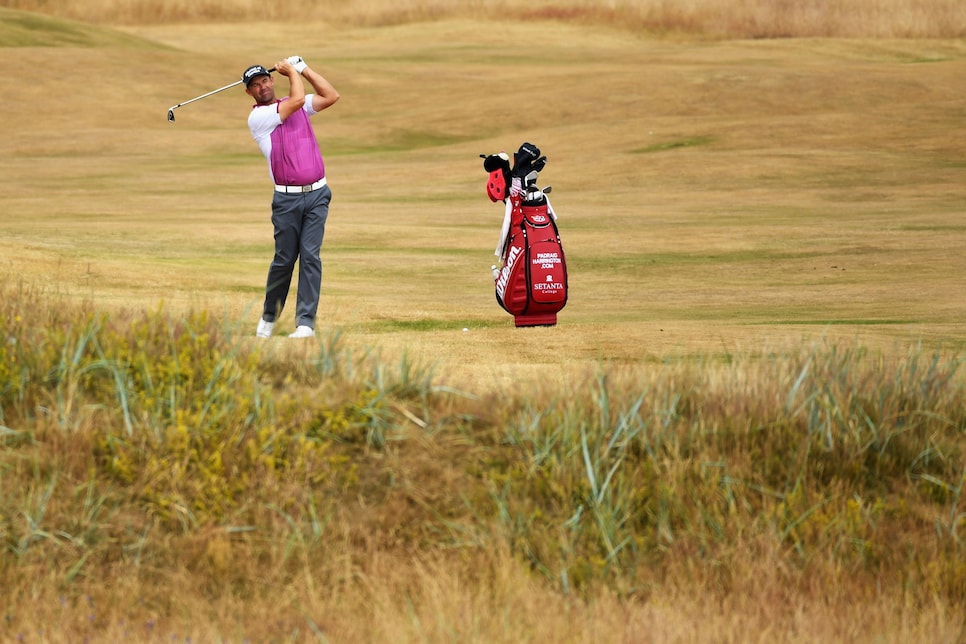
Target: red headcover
496	185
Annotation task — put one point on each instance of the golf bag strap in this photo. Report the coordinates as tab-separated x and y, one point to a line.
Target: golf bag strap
550	208
505	230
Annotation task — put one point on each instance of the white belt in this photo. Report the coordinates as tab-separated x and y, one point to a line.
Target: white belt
309	188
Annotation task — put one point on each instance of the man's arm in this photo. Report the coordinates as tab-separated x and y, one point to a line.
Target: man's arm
296	90
325	93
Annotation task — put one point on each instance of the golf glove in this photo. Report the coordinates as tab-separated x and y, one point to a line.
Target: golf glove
297	63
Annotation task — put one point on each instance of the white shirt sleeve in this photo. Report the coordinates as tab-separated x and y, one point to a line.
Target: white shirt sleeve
262	121
308	105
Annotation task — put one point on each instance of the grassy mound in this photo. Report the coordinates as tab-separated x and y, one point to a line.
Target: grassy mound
195	468
29	29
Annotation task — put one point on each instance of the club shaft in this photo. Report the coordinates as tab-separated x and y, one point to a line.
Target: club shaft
220	89
198	98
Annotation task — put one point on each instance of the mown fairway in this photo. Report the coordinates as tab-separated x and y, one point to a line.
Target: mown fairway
713	197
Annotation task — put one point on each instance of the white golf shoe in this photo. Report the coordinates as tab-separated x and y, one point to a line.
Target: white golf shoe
264	329
302	331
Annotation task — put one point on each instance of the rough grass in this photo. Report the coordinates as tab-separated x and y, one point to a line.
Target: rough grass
232	490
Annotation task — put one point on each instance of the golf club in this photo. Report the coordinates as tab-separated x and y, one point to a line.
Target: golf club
198	98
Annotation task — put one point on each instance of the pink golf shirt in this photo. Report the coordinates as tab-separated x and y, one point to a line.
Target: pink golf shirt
290	147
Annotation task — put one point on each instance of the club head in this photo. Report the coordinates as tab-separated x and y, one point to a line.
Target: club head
171	116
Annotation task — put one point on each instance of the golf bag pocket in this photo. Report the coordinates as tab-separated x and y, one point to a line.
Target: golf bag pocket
537	216
546	265
511	282
548	275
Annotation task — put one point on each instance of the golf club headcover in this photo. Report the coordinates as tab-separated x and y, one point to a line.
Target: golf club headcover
524	158
516	187
498	165
493	162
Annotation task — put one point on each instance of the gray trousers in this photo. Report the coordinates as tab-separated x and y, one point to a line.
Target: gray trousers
299	221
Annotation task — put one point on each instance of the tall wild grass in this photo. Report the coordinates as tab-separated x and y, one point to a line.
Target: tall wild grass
706	18
152	464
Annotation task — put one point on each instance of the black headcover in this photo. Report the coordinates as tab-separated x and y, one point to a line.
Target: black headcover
496	161
527	159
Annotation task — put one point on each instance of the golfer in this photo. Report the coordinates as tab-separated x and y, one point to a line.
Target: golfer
300	204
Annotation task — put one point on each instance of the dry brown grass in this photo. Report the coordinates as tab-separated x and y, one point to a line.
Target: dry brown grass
716	198
713	197
742	19
414	600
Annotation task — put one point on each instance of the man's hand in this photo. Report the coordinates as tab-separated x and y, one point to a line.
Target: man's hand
297	63
296	89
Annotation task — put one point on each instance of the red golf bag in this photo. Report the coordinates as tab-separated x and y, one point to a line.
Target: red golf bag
531	281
